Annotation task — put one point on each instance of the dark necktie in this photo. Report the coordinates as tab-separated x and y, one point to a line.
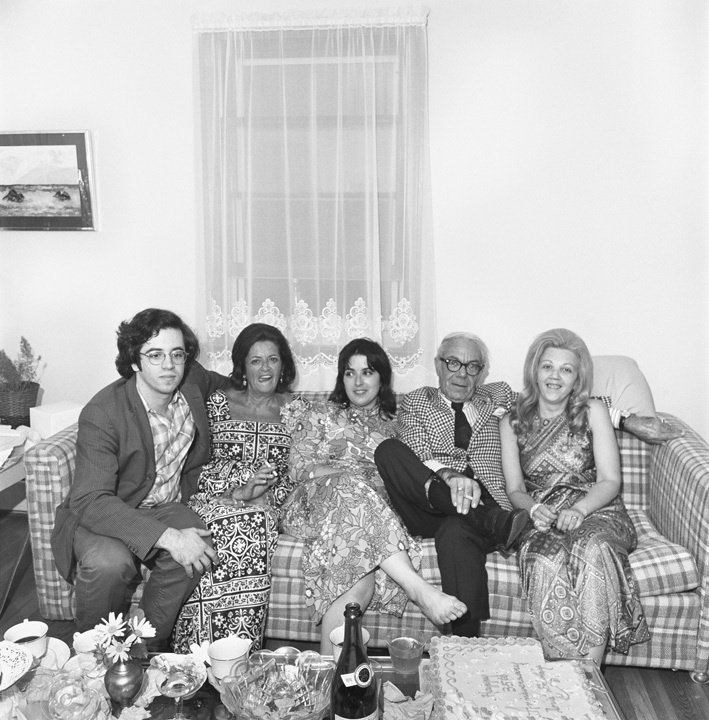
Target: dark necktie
463	431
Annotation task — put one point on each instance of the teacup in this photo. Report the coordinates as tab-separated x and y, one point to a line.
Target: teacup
85	642
227	655
31	634
337	637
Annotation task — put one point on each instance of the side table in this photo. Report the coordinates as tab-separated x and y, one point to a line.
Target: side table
13	518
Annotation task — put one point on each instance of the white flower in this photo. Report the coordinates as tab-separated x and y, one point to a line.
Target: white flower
141	628
111	628
120	650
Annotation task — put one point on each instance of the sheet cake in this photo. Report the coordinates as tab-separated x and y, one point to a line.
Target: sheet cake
506	679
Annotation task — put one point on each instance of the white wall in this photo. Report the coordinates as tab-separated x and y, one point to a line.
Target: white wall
569	161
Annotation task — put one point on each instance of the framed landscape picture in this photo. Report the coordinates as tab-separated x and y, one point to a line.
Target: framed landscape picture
46	181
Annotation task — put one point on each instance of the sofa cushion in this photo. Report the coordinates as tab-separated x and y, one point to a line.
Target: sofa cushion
619	378
660	566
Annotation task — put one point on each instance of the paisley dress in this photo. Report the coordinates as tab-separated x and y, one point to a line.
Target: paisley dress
578	583
232	597
344	517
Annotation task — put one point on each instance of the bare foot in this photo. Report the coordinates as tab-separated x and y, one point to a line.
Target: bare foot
437	606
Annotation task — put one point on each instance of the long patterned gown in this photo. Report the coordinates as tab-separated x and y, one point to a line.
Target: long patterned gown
578	583
232	597
344	517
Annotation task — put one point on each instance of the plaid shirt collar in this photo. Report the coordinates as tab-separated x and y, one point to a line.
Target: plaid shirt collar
173	434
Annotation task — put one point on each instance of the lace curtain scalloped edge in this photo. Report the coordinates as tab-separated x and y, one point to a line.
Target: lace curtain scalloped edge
329	329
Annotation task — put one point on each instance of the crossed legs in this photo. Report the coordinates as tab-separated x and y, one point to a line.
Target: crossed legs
461	545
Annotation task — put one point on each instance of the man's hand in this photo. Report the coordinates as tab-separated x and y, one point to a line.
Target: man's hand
465	492
651	430
188	549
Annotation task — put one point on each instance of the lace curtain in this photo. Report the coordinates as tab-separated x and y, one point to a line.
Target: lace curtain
315	186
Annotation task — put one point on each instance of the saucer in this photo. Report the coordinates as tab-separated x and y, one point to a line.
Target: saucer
57	654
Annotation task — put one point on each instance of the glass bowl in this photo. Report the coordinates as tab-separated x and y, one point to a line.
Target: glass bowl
279	685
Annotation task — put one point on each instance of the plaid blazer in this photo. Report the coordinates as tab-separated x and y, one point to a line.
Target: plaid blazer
426	424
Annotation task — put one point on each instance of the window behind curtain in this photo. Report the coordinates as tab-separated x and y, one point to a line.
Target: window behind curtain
315	186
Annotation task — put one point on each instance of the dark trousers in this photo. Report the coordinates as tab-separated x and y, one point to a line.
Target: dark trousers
462	542
106	567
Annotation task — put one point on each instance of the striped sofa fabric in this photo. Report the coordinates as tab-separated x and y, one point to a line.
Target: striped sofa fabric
666	489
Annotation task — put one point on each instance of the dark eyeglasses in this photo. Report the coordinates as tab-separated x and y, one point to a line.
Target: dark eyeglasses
453	364
156	357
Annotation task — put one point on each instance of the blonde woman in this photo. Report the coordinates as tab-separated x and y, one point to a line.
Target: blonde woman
561	463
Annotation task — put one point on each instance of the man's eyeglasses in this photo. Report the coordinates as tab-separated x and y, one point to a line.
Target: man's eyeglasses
156	357
453	365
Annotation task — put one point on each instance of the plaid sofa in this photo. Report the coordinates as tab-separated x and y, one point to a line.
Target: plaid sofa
666	489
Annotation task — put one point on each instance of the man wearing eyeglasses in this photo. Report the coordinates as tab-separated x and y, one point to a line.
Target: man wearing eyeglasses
141	444
444	472
444	476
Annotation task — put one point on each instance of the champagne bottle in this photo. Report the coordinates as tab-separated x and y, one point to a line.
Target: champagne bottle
354	694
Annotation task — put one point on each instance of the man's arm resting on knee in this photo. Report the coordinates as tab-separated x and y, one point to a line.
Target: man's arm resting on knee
188	548
465	492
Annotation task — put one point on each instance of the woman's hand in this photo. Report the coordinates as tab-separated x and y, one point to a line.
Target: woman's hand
570	519
543	517
261	480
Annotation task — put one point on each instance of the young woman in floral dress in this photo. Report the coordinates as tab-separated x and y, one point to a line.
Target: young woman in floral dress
356	547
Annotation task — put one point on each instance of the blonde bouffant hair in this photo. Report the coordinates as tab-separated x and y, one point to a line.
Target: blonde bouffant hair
526	407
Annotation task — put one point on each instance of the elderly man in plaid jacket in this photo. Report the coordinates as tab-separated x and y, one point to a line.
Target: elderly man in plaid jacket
444	474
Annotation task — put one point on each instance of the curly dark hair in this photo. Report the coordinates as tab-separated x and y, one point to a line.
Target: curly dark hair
259	332
134	333
378	360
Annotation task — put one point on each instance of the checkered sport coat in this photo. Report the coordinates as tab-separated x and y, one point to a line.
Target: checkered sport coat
426	424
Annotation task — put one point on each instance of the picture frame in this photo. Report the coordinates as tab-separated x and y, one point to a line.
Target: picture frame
46	181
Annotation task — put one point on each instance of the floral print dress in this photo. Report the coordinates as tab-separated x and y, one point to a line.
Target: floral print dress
343	517
232	597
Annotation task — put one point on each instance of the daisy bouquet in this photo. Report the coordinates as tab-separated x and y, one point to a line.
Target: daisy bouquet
119	639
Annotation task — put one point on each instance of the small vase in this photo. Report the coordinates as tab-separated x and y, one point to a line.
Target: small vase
124	680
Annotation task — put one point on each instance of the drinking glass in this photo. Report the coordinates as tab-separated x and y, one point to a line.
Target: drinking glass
179	682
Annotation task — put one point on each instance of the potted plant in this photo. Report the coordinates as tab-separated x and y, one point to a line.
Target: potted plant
19	385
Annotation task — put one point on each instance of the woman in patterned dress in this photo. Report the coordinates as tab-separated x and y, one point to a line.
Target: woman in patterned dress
356	547
241	490
561	463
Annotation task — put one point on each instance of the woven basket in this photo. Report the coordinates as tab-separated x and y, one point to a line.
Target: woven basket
15	404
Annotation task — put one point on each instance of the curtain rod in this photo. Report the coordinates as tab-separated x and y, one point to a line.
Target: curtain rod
308	20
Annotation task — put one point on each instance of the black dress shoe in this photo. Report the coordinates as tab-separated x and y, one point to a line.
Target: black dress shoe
505	526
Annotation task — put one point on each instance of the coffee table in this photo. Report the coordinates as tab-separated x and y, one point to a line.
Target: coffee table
206	704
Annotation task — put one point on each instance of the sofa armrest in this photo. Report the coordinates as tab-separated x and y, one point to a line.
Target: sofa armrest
679	508
49	467
679	491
